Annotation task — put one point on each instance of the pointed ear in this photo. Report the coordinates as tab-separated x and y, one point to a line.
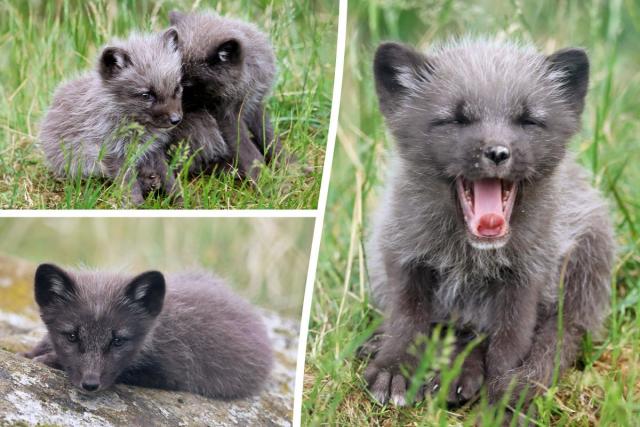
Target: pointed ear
146	292
228	52
398	69
53	284
112	61
170	38
572	66
175	17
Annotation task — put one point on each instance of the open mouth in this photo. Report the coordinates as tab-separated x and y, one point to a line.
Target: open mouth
487	205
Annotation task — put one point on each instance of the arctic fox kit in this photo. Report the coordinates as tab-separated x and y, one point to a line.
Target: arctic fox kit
487	223
85	130
185	332
229	68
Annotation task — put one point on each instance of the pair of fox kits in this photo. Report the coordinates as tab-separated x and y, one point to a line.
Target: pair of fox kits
185	332
203	81
487	225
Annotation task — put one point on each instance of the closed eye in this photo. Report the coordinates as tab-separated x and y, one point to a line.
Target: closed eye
459	117
527	120
460	120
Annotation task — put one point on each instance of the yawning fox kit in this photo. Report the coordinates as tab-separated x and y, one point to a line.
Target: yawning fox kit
185	331
226	68
487	224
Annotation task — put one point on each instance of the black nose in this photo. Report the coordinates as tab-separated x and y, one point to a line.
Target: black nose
90	386
175	119
497	153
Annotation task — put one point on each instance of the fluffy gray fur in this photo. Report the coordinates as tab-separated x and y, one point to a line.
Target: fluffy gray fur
229	69
443	109
207	147
86	132
190	333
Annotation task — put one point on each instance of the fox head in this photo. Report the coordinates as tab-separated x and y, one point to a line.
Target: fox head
97	323
489	119
213	54
142	75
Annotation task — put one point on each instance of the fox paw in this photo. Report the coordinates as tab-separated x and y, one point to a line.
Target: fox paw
386	386
462	389
49	359
468	383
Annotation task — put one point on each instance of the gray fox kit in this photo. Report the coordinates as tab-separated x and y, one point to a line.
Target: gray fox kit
485	215
85	132
186	332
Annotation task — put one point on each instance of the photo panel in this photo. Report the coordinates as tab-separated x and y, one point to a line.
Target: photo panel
403	318
165	105
150	321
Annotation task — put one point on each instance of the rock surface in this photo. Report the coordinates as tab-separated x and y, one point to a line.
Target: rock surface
33	394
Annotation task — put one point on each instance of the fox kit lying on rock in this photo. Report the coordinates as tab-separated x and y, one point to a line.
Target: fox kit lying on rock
487	223
86	130
185	332
229	69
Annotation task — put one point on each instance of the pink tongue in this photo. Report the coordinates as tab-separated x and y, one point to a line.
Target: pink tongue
487	207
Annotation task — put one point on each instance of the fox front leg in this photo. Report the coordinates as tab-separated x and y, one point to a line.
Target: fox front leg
44	353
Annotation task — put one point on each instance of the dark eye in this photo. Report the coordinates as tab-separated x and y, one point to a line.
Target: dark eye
147	96
463	120
177	91
72	337
117	341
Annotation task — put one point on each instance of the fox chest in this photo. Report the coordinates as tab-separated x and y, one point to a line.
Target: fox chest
468	300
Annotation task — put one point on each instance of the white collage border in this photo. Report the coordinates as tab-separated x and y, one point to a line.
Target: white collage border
317	213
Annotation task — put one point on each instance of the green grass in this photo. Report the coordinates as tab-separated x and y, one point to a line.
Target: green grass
45	43
607	390
265	259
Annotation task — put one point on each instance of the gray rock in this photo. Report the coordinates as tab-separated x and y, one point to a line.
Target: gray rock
34	394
